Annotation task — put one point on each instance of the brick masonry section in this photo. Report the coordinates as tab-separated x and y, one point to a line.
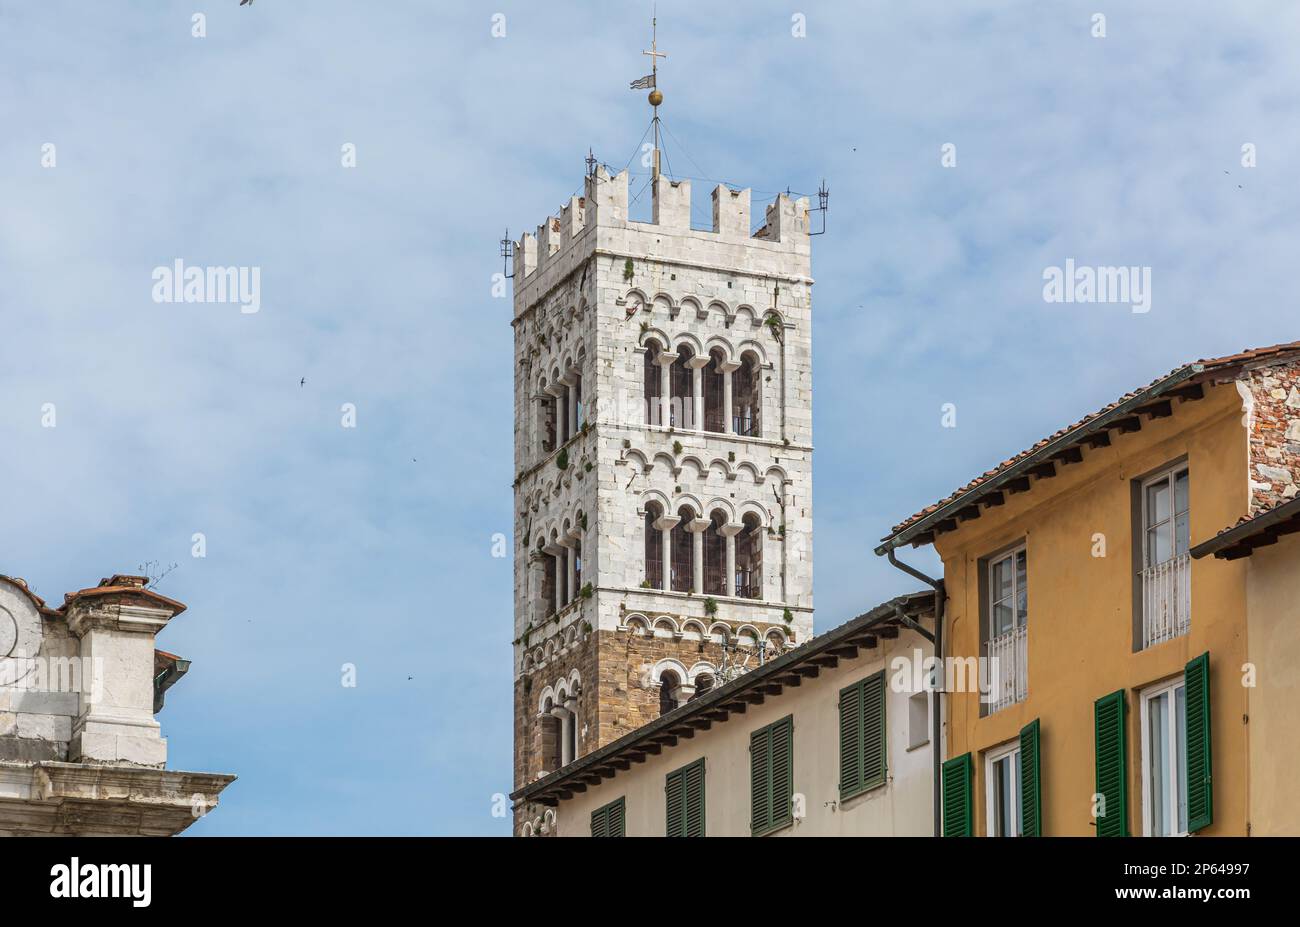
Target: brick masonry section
1274	435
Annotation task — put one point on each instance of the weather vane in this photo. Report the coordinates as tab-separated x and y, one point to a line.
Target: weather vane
651	82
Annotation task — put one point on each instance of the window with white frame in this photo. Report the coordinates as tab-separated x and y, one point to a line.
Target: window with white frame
1008	592
1002	790
1007	648
1166	563
1164	759
1165	505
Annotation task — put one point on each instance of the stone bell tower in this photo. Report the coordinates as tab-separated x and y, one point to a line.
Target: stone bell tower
663	456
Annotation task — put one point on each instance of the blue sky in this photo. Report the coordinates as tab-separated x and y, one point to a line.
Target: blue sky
373	545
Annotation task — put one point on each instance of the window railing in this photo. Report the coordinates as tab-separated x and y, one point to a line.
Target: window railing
745	424
1008	669
749	584
1166	600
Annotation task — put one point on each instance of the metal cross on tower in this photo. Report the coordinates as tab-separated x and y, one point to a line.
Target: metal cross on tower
651	81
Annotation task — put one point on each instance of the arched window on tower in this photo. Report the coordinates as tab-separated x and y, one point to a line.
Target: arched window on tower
561	405
714	414
546	419
561	573
654	548
668	686
747	397
549	577
749	559
577	569
580	413
552	745
715	555
653	405
683	552
683	403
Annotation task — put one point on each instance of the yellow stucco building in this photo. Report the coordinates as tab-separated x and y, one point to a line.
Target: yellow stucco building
1104	673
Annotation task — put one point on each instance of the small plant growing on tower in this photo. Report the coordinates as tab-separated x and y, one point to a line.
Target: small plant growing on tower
773	324
787	616
587	467
627	269
731	456
562	461
586	627
645	584
710	606
677	447
586	591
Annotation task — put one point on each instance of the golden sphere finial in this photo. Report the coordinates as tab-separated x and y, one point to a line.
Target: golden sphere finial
656	97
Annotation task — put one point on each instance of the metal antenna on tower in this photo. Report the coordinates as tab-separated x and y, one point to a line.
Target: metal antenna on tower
507	252
823	201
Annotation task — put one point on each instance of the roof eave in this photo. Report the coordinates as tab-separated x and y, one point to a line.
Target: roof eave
1071	437
1239	534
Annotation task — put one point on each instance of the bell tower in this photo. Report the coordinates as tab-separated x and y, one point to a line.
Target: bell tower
663	456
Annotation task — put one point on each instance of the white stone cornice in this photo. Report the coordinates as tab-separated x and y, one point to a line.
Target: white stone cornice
697	525
666	522
131	618
698	361
730	530
77	799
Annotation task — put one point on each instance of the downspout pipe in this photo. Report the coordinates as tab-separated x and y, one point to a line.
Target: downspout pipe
936	722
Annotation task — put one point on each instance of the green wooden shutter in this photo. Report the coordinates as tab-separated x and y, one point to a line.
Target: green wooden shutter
684	799
862	735
782	771
1200	793
1112	765
617	819
957	820
1031	790
760	780
850	740
693	814
674	796
873	731
771	776
608	820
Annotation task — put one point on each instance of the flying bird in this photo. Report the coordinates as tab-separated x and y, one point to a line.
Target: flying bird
245	2
303	381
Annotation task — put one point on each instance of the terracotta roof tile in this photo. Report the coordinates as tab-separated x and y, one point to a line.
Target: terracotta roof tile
1207	364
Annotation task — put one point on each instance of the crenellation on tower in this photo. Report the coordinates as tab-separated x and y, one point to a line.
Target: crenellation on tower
670	205
730	212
